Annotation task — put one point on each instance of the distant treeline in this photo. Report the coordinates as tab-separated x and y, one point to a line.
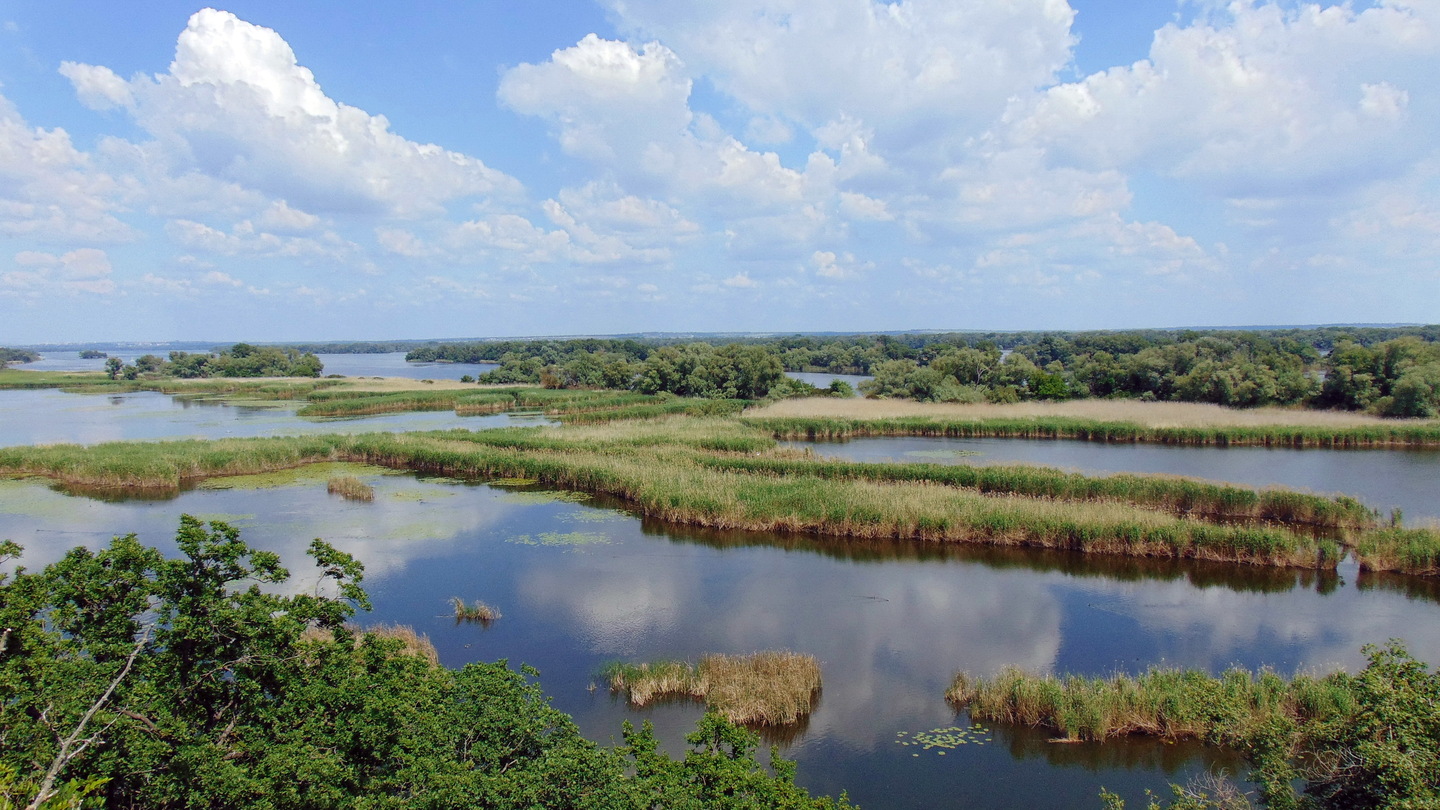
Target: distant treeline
1394	371
359	346
240	360
17	356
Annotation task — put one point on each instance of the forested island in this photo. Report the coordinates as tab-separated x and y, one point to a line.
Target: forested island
240	360
8	356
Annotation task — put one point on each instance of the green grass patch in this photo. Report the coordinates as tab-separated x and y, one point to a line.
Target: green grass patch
1380	435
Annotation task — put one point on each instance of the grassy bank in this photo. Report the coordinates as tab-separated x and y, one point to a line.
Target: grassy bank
1172	704
691	471
660	469
1176	495
763	688
1405	434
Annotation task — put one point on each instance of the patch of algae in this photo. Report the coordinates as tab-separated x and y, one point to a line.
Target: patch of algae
592	516
565	539
304	474
541	496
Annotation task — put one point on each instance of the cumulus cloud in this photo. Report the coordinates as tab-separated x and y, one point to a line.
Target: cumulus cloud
627	110
913	70
236	105
50	191
1260	99
85	270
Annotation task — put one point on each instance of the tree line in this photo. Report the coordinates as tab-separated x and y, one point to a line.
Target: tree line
1392	371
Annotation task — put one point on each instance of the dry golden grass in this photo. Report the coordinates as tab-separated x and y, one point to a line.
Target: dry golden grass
1149	414
477	612
764	688
411	642
350	488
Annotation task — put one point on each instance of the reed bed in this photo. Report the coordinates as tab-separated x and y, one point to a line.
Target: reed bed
1410	551
654	410
350	488
365	403
1171	704
667	469
667	483
1173	494
769	688
1378	435
476	611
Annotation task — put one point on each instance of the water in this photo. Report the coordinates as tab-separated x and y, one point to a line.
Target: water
581	582
50	416
1408	480
393	364
823	379
390	364
890	622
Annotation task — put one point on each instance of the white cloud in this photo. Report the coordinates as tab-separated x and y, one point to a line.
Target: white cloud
236	106
914	70
740	281
627	110
245	239
84	270
50	191
829	265
1259	99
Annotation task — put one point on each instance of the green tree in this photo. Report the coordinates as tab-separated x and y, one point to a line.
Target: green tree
191	681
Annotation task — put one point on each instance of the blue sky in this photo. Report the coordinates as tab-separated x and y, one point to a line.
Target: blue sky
327	170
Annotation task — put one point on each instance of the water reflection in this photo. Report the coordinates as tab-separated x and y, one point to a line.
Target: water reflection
1198	573
890	622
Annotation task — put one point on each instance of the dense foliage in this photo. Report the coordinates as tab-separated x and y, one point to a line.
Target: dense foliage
240	360
142	681
1392	371
17	356
1383	753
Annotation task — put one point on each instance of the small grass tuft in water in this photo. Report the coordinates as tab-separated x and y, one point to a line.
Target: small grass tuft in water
768	688
350	488
474	612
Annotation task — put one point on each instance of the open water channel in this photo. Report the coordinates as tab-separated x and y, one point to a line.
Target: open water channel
580	582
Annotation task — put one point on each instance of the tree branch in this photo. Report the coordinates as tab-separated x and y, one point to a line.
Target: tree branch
68	747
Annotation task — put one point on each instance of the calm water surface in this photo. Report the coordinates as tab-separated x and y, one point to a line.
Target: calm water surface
581	582
823	379
1408	480
50	416
389	364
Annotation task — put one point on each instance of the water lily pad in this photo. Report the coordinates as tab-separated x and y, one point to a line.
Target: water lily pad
941	740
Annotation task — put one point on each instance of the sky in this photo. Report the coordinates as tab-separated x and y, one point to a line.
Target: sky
274	171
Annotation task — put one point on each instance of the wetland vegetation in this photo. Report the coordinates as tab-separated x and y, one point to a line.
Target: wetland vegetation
705	471
1367	740
769	688
690	461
